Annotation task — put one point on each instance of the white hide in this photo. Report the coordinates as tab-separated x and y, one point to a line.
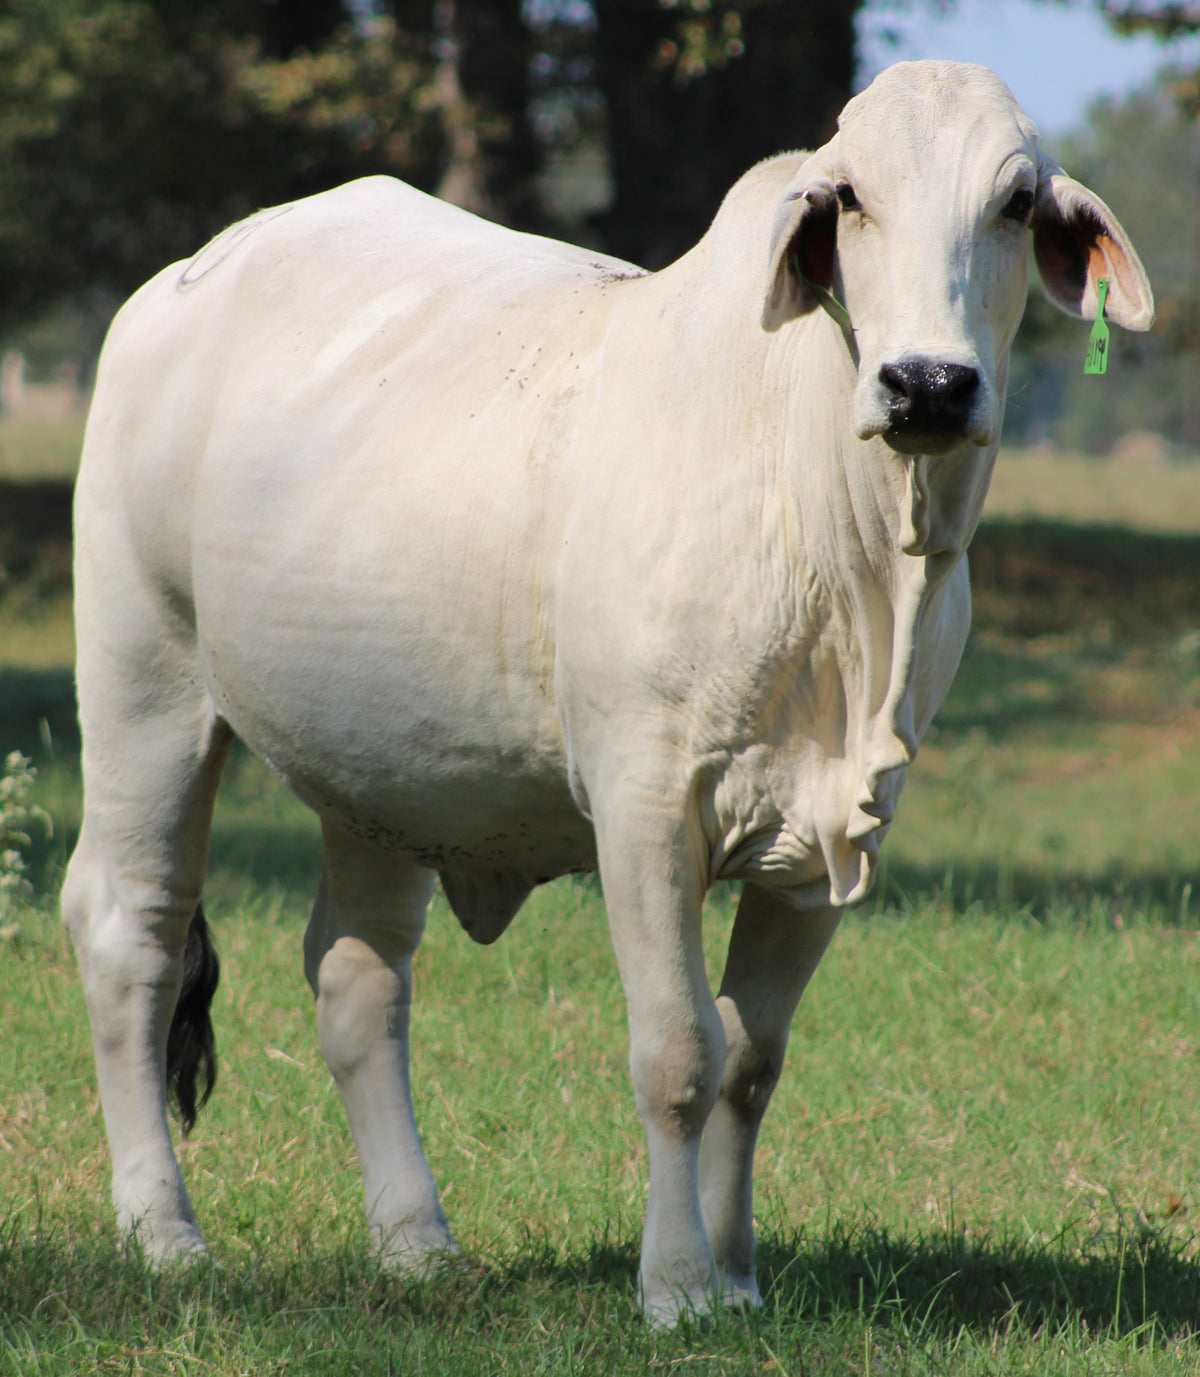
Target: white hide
513	561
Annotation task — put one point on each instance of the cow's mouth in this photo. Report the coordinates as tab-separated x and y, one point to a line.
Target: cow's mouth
911	442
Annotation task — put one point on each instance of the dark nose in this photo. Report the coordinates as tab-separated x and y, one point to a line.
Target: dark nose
928	397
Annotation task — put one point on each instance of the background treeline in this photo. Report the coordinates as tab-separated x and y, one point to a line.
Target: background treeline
1142	154
133	130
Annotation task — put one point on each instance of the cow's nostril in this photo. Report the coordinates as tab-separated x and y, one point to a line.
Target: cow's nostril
959	382
897	378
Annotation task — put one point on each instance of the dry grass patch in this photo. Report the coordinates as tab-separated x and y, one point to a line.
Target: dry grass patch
1033	484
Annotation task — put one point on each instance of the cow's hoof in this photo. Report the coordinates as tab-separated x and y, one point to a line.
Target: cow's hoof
670	1308
741	1292
418	1253
674	1310
169	1244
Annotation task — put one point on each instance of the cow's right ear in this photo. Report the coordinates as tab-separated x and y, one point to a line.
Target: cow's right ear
803	250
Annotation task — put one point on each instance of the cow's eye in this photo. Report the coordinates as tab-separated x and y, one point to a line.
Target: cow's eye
1020	206
847	198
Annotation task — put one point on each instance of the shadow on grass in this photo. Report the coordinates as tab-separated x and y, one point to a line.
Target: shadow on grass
929	1288
1032	578
938	1286
248	854
941	1285
35	540
999	690
37	713
1120	896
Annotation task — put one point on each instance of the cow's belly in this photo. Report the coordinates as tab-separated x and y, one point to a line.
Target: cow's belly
459	821
431	786
423	732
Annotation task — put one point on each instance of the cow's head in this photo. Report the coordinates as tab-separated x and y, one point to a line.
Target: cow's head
916	213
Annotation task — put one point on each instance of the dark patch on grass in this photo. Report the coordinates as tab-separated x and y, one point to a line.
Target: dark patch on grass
1002	688
38	714
35	541
286	856
1032	578
944	1283
928	1290
1123	896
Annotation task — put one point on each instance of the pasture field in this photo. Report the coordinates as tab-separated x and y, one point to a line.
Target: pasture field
983	1155
36	448
1146	495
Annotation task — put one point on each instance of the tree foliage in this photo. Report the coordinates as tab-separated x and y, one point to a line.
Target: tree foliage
1163	21
130	130
697	91
1141	154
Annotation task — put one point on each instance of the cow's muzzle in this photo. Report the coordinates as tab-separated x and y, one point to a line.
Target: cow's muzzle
930	405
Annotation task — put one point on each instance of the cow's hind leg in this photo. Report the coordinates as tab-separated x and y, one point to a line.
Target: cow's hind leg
773	951
131	893
366	925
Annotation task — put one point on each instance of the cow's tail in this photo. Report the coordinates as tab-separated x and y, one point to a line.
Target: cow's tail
191	1046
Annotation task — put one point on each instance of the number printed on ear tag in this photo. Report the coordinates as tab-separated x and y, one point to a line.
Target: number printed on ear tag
1097	354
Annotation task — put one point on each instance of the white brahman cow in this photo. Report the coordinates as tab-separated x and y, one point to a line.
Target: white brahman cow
513	561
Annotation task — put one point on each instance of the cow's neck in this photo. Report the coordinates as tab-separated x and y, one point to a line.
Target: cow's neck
880	536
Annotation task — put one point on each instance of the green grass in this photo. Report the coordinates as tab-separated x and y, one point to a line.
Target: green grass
982	1158
983	1155
973	1164
35	449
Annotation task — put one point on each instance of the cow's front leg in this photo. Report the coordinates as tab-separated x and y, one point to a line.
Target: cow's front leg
773	950
653	879
366	924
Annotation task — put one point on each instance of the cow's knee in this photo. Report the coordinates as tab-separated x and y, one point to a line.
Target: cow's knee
87	897
753	1066
361	1000
677	1076
374	901
83	893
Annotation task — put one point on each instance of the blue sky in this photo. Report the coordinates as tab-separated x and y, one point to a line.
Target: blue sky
1054	58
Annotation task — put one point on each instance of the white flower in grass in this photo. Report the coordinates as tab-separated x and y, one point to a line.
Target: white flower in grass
16	815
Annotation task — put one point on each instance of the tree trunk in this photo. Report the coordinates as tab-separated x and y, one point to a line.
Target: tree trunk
483	86
778	73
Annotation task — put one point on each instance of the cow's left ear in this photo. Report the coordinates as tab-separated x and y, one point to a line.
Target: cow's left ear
1077	240
803	248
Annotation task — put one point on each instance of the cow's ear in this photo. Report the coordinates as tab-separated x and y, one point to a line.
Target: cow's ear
1077	240
803	249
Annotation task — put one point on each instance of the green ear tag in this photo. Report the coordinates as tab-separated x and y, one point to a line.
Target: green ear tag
1097	354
